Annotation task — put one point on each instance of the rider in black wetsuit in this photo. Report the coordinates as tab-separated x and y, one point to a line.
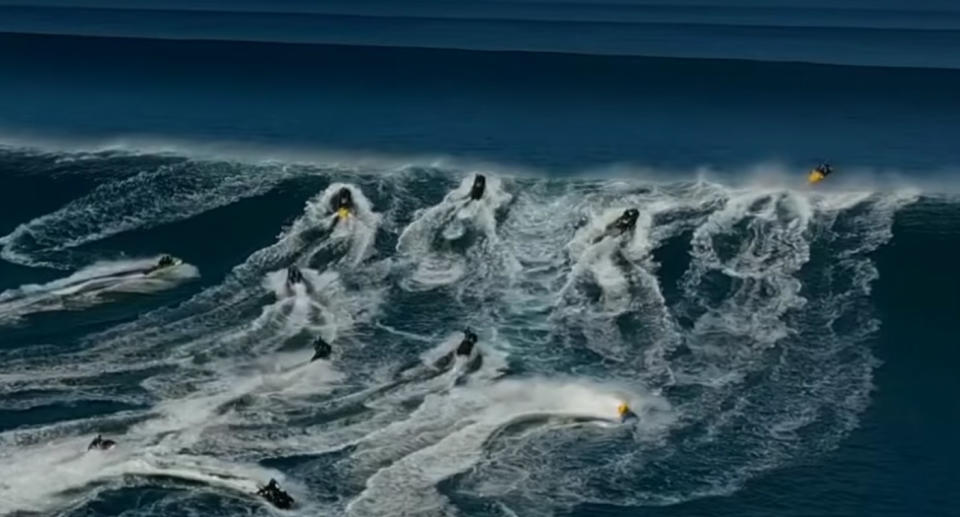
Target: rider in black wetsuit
276	496
478	188
165	261
466	346
294	276
100	443
464	349
321	349
343	199
625	223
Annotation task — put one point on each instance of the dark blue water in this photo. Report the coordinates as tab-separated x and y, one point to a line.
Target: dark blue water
787	349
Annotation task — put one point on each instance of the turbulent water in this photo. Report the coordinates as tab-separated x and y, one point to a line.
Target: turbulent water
735	321
784	348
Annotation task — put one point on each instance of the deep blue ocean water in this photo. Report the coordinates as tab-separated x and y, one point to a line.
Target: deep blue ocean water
787	349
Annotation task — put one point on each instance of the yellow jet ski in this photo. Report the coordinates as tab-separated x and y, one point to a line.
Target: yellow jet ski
819	173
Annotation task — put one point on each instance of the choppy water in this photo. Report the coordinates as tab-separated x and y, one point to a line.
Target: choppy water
788	350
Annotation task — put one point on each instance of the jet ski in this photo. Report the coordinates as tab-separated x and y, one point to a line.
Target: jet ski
819	173
101	444
478	188
464	349
321	349
623	224
342	203
294	276
165	263
275	495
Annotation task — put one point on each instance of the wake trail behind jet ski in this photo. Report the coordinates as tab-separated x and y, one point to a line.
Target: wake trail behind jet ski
92	284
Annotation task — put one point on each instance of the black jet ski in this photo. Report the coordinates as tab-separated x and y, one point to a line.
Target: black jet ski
321	349
165	262
464	349
101	444
294	276
466	346
275	495
478	188
623	224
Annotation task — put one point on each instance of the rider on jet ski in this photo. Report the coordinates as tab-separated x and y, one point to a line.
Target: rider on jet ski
294	276
464	349
321	349
478	188
342	204
820	172
625	223
164	262
100	443
275	495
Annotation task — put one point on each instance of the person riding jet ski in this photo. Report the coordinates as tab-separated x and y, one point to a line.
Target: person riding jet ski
466	346
342	203
625	223
321	349
276	496
820	172
294	276
101	444
464	349
164	262
478	188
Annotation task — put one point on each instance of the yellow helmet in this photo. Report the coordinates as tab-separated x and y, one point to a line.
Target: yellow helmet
623	409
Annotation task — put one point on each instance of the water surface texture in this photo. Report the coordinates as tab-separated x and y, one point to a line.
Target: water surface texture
785	349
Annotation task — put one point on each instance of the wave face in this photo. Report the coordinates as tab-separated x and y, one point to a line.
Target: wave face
560	112
851	35
744	322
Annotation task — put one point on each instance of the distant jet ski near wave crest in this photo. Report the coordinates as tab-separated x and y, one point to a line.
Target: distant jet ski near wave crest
466	214
819	173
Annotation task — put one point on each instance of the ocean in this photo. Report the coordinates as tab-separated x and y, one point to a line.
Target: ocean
783	348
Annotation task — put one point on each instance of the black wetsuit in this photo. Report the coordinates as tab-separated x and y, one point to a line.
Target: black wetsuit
165	261
294	276
466	346
275	496
343	199
321	349
100	443
464	349
625	223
